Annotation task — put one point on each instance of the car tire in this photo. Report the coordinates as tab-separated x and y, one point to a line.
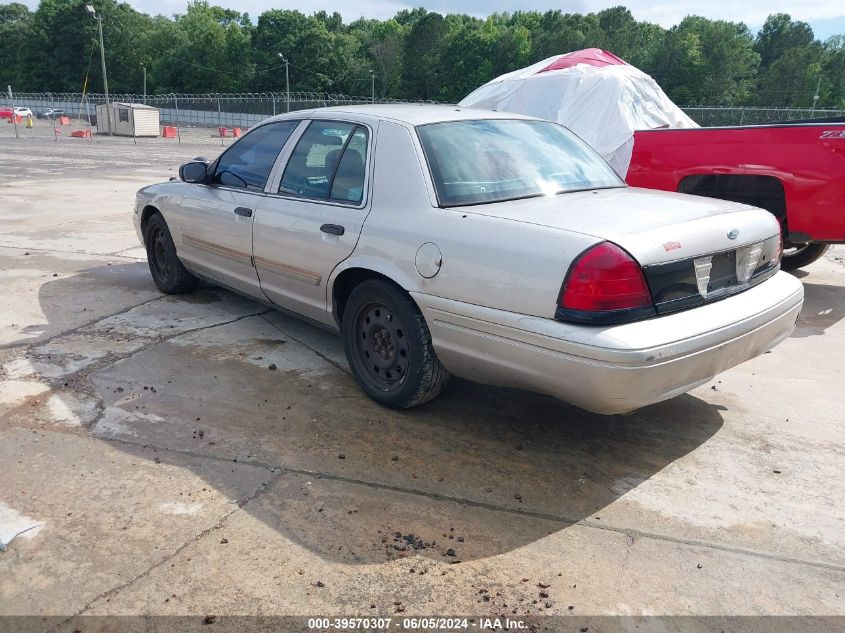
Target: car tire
169	274
388	346
802	255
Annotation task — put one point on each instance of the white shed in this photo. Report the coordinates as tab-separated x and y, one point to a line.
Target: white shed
128	119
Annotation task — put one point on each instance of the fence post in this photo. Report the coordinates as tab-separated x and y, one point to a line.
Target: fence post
88	112
52	118
219	121
178	132
273	97
14	116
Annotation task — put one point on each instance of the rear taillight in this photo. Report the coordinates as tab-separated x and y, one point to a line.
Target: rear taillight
605	285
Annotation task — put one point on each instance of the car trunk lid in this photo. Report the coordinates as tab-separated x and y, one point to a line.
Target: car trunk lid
654	226
692	249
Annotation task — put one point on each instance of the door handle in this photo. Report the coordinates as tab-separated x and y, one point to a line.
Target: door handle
247	213
333	229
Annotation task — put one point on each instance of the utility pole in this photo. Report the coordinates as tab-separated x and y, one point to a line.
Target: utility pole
372	87
287	83
99	19
145	83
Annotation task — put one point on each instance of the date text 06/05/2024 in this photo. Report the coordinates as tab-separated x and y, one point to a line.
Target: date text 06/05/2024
415	623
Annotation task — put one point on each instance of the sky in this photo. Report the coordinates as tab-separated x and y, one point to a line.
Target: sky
827	17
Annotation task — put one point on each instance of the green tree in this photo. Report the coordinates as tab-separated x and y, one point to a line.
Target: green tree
387	40
15	24
421	64
511	48
206	49
467	57
320	59
780	33
707	62
62	47
417	54
833	73
791	79
559	33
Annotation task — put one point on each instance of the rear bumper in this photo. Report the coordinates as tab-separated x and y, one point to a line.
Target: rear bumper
612	369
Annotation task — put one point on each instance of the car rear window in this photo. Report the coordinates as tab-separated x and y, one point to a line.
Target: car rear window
328	162
492	160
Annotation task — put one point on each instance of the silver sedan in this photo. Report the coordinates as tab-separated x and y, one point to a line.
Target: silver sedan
440	240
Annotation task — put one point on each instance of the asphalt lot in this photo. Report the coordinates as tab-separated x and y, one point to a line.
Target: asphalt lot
172	473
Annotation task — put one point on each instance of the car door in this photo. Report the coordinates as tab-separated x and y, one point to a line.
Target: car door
312	220
217	217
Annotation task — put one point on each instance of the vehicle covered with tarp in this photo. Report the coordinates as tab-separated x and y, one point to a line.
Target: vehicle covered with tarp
593	92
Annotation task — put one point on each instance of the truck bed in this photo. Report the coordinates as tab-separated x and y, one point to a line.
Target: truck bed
795	169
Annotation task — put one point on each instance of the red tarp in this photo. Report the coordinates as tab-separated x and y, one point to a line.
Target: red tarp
592	56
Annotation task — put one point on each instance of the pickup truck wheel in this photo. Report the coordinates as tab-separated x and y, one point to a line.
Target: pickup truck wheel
168	273
799	255
389	348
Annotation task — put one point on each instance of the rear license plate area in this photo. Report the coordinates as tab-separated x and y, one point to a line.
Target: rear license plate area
723	272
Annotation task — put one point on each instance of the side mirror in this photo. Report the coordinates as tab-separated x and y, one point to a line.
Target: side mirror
194	172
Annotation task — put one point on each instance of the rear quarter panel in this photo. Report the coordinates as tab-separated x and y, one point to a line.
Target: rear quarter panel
808	159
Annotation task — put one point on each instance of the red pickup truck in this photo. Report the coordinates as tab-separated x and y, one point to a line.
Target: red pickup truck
794	169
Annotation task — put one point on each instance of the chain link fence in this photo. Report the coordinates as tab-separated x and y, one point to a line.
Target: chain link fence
188	110
243	110
726	116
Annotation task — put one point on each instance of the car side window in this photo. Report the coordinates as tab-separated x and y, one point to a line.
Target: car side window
328	163
348	184
248	162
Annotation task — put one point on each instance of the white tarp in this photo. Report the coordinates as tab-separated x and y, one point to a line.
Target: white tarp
603	105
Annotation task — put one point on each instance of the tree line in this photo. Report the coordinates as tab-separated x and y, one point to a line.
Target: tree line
417	54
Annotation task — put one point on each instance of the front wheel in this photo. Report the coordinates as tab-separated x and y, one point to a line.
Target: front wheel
388	346
799	255
168	273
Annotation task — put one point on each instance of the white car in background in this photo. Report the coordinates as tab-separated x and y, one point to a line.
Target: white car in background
24	112
492	246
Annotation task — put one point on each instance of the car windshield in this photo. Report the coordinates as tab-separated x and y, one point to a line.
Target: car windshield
492	160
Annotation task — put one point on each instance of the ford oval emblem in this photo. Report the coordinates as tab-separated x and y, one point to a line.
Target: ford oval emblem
733	234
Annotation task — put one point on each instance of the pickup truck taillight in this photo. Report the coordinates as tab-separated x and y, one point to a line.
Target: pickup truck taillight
604	285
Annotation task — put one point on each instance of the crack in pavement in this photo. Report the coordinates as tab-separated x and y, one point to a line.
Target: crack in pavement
113	591
59	251
307	346
76	221
28	344
631	534
79	380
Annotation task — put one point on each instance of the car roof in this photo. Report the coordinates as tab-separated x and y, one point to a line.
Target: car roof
409	113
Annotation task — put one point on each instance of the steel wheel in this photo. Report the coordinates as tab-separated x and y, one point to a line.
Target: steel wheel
382	346
159	248
388	346
169	274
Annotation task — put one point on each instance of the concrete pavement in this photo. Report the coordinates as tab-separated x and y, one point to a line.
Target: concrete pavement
174	473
